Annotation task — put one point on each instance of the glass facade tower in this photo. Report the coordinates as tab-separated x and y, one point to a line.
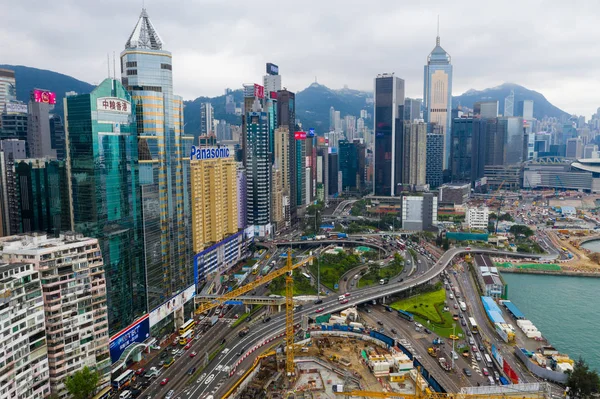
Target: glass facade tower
146	72
103	172
389	112
437	94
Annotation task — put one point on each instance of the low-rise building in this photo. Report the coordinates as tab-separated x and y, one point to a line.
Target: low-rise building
74	301
455	193
419	212
23	351
489	279
477	218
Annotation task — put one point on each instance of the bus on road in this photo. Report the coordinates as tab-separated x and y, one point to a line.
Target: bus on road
103	394
405	315
474	328
189	325
186	338
306	275
488	360
122	380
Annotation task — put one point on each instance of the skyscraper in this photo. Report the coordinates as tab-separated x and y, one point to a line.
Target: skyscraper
486	109
525	109
214	200
146	72
509	104
286	117
437	93
300	168
8	88
281	178
412	109
57	136
574	148
414	154
258	169
435	156
207	113
514	139
103	170
333	172
495	141
468	149
39	142
389	112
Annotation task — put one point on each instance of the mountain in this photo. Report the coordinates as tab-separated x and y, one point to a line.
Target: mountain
541	106
313	103
29	78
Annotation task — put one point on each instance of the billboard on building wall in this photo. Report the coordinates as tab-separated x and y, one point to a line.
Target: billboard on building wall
259	91
311	132
199	153
113	104
16	107
273	95
300	135
272	69
172	305
139	331
44	96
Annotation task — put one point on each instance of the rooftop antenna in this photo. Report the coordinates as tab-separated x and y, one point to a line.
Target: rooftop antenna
114	67
108	65
437	40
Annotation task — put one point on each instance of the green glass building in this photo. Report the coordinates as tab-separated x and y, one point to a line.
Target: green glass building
101	133
42	188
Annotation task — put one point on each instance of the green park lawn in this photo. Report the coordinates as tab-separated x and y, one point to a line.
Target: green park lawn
429	307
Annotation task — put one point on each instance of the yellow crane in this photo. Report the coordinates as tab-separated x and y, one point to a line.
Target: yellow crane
289	302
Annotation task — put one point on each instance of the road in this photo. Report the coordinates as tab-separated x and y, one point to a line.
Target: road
216	373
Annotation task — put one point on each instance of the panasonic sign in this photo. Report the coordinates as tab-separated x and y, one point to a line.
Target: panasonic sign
209	152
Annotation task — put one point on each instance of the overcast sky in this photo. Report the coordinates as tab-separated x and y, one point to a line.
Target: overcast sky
550	46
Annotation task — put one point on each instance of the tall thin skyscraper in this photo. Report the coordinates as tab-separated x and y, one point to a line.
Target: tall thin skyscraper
435	152
509	104
389	112
415	153
39	142
146	72
286	117
437	93
207	113
258	169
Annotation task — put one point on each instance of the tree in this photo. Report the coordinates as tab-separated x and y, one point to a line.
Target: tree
583	382
446	244
519	229
83	383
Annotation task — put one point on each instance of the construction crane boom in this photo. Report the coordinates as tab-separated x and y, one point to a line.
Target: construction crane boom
250	286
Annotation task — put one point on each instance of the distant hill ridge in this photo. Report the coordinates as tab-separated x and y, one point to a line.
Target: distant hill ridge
312	103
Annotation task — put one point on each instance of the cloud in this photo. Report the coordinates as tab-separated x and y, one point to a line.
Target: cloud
548	46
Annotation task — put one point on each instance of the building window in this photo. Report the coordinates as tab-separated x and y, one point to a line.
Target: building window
131	64
165	66
131	72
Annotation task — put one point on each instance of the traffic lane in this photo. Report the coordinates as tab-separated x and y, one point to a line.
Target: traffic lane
277	324
462	281
179	368
418	348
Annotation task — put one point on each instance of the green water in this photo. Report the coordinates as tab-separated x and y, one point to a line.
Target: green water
565	309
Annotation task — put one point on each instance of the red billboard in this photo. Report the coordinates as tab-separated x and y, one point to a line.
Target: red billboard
44	96
273	95
300	135
259	91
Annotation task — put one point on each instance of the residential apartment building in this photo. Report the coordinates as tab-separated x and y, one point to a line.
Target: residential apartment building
214	201
74	302
23	351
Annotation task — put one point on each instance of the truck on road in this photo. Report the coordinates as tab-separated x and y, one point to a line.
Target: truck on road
342	235
444	364
213	320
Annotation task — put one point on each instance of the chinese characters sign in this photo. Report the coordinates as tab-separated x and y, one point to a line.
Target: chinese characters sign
113	104
137	332
259	91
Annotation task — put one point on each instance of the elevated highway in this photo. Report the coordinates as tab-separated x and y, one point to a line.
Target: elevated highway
265	331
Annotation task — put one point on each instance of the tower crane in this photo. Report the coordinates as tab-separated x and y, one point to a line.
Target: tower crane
289	302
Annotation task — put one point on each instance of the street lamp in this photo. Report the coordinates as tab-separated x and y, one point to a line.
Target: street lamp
453	336
319	274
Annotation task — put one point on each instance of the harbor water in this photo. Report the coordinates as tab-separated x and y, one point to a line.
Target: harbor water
565	309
